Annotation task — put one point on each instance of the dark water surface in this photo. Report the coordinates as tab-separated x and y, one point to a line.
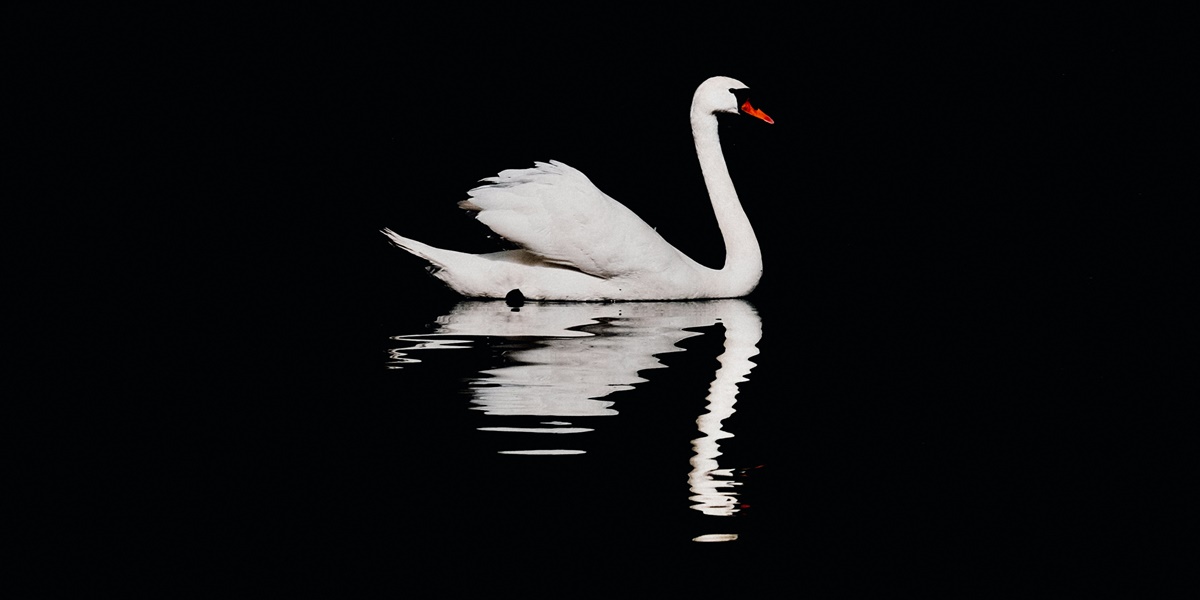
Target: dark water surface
930	386
901	441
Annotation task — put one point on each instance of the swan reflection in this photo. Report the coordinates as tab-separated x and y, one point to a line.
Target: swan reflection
563	361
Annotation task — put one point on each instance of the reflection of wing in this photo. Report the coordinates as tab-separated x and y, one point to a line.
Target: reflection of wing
564	319
563	359
566	376
495	318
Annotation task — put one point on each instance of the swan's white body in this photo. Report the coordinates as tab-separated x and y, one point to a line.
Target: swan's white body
576	243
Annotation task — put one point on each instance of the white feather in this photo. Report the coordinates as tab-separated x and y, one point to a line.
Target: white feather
577	243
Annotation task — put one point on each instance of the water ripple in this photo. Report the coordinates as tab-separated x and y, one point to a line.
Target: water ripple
564	360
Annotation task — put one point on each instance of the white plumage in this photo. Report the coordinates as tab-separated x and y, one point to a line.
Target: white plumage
577	243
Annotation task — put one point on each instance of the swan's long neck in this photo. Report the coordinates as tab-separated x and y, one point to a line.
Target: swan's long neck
743	258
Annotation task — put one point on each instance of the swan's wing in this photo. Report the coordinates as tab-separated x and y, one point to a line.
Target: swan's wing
557	213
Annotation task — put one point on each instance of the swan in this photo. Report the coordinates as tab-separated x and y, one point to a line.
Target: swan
575	243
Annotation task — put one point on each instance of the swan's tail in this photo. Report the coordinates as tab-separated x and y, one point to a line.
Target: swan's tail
458	270
412	246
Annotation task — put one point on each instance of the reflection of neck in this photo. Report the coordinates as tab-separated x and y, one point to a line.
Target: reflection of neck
743	329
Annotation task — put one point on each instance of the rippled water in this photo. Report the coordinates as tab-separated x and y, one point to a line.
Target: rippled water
562	375
899	436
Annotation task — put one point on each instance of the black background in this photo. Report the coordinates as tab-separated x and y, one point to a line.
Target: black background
952	204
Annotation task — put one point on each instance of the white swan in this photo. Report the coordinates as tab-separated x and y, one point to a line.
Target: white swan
576	243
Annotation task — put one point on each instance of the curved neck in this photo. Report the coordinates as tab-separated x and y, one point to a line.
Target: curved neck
743	258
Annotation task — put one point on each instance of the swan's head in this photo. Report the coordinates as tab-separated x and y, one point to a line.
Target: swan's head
725	95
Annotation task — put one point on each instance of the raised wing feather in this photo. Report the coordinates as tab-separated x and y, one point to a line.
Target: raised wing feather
556	212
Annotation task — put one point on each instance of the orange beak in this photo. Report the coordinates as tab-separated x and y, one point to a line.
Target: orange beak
754	112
